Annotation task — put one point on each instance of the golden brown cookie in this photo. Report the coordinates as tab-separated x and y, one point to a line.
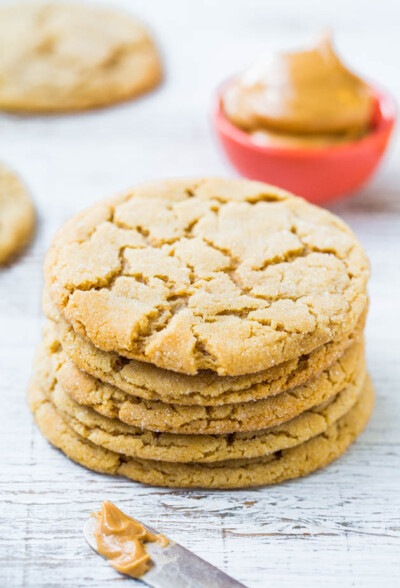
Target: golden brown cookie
228	275
64	57
17	215
157	416
205	388
116	436
277	467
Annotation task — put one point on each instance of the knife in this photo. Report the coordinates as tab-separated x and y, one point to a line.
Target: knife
173	566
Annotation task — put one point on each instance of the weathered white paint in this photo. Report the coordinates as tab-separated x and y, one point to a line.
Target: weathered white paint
339	527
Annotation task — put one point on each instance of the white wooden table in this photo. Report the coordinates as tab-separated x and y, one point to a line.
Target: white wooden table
337	527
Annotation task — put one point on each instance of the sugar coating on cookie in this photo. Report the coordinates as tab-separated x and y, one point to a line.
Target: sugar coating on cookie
61	57
51	364
117	436
294	462
206	388
17	215
228	275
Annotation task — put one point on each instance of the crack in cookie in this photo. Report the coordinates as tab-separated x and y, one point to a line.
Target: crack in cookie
260	279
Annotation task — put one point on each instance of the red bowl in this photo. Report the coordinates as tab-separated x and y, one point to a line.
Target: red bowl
317	174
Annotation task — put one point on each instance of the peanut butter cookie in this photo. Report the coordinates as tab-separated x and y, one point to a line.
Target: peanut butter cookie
157	416
276	467
64	57
17	215
116	436
205	388
228	275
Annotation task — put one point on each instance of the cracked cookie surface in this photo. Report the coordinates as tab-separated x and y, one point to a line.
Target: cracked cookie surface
205	388
157	416
228	275
277	467
61	57
17	215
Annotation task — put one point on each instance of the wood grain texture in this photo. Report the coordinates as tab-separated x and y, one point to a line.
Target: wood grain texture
340	526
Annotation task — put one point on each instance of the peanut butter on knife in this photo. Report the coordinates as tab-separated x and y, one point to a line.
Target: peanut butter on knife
121	539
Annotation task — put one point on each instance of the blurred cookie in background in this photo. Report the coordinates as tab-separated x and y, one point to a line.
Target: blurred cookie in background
17	215
66	57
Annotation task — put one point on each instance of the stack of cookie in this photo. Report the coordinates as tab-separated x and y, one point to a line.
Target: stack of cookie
203	333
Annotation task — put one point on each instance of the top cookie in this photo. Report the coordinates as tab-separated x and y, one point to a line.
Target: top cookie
60	57
228	275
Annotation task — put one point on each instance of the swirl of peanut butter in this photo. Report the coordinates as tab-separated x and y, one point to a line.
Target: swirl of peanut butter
121	540
307	96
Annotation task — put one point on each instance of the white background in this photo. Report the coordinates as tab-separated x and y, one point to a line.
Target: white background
340	526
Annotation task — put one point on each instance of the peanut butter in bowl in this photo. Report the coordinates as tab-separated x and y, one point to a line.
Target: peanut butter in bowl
305	99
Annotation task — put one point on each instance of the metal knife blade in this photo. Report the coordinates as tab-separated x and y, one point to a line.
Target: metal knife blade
173	565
